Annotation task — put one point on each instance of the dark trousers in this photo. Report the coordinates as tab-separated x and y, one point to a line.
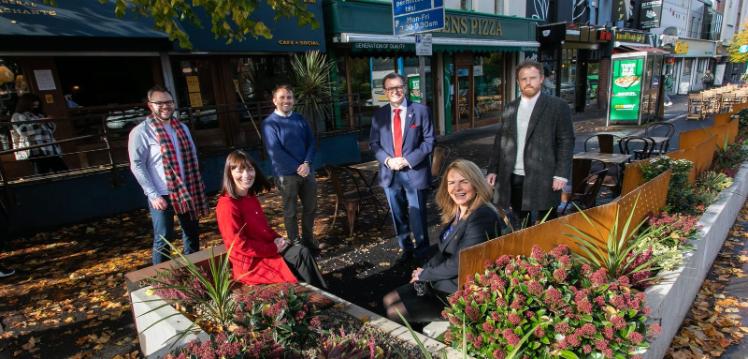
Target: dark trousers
524	217
163	229
408	208
305	189
301	261
48	164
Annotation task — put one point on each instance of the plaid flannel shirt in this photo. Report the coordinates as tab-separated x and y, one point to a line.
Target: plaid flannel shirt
29	131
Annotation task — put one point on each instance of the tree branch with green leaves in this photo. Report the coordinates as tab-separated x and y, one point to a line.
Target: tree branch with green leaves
229	19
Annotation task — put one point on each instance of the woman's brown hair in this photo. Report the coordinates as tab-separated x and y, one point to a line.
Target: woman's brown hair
473	174
239	158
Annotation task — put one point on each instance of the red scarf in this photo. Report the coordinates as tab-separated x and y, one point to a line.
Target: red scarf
186	194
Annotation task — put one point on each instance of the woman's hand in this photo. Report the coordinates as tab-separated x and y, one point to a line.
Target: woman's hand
415	274
281	243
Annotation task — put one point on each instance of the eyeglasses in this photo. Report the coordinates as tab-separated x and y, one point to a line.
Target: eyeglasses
395	89
163	103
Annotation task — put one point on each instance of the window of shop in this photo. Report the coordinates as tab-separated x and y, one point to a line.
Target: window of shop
105	81
194	81
489	84
593	77
568	75
410	71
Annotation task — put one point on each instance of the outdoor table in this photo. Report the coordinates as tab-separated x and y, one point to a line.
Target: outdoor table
618	159
367	171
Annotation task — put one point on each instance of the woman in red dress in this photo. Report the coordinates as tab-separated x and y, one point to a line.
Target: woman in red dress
258	254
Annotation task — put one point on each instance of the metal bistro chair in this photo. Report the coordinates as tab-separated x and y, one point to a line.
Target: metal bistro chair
660	129
639	147
585	186
439	159
351	191
605	142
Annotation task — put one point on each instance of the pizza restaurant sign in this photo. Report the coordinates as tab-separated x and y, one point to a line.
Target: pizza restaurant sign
24	7
472	26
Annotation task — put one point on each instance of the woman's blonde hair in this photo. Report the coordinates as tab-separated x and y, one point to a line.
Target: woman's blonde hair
473	174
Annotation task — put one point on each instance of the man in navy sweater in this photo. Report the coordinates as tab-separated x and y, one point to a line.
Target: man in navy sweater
290	145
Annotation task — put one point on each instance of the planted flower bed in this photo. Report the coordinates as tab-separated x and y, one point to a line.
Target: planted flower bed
190	308
592	303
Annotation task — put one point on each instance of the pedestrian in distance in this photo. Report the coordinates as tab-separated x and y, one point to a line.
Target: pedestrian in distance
402	139
532	153
468	218
163	159
31	128
290	144
258	254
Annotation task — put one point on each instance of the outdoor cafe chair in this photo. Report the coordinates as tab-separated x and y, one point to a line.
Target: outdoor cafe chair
439	159
660	129
639	147
351	190
585	191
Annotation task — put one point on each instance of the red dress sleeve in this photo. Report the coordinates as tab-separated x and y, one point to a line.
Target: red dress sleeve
243	225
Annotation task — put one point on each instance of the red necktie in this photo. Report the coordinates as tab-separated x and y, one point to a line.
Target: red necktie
397	130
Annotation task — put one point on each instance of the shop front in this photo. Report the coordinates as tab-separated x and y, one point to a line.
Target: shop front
92	70
692	59
574	62
469	78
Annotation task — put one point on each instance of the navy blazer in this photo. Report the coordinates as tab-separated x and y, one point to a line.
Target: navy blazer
418	142
442	269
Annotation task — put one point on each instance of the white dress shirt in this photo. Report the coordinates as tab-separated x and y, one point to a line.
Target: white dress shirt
524	111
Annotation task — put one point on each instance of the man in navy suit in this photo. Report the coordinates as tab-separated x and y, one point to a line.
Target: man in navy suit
402	139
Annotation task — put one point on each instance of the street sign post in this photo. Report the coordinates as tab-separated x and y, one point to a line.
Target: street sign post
415	16
423	45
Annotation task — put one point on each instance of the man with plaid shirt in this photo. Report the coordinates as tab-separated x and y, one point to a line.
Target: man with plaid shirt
163	159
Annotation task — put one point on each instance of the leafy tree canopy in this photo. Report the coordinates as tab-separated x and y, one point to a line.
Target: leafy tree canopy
739	39
229	19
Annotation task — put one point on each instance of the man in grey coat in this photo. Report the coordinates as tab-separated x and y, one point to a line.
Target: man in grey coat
532	154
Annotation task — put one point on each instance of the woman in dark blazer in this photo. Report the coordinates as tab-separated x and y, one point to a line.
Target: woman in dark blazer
469	218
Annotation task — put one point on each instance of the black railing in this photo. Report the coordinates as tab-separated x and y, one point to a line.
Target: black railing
98	135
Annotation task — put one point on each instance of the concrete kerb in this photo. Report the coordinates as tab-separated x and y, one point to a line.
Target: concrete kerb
672	298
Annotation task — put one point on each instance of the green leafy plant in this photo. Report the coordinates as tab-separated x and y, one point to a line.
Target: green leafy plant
668	237
279	309
620	252
363	343
728	157
710	184
312	86
210	294
680	196
547	305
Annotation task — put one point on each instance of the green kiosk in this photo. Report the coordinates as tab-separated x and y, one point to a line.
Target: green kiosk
636	87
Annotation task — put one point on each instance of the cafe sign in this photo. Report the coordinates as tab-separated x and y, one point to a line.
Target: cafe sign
630	36
625	99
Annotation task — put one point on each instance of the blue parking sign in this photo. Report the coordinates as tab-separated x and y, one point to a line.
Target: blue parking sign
416	16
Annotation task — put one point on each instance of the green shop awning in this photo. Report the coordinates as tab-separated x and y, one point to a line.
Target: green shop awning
367	26
391	43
